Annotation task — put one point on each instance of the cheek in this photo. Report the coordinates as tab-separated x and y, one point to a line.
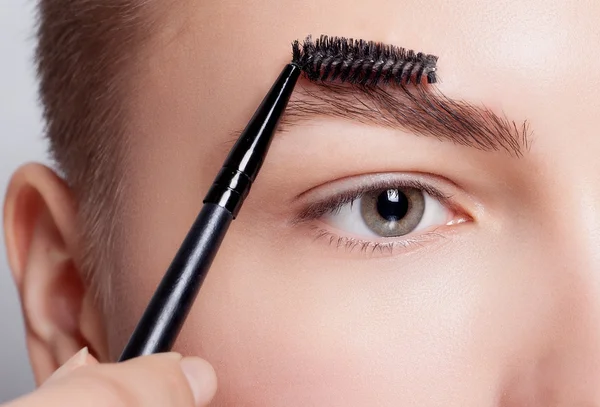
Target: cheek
282	328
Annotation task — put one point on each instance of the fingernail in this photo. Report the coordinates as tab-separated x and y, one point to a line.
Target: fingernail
73	363
201	378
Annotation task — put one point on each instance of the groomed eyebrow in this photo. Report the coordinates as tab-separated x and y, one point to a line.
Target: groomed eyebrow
421	110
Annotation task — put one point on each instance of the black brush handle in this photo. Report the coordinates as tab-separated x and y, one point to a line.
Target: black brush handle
246	158
161	322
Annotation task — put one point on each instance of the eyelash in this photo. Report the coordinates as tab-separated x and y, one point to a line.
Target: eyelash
333	204
368	247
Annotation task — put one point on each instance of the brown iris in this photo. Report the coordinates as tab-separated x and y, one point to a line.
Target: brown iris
393	212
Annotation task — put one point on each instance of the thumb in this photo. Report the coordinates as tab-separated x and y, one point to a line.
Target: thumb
81	358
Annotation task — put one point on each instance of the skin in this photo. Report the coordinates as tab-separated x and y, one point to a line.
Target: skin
501	311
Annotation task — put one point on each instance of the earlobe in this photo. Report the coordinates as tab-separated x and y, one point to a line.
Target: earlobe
41	239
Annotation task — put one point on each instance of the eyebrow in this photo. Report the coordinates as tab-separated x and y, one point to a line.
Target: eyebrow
422	110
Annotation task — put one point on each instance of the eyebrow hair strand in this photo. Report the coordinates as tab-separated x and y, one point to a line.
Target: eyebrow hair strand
423	110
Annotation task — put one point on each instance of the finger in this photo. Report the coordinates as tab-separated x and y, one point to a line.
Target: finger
81	358
202	378
158	380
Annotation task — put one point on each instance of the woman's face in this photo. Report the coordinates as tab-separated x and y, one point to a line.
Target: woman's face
487	296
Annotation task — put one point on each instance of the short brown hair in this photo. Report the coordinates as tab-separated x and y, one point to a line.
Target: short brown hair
85	60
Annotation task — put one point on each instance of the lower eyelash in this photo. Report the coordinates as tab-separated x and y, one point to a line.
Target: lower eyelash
366	247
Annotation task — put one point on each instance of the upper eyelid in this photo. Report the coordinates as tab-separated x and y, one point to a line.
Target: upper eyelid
426	176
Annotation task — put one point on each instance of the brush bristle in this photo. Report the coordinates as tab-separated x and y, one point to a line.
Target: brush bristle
362	62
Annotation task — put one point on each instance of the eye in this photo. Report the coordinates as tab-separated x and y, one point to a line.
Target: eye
390	212
379	212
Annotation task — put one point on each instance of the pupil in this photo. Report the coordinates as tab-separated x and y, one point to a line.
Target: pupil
392	205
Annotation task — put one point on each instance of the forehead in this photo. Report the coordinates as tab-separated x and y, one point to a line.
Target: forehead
534	37
483	45
536	60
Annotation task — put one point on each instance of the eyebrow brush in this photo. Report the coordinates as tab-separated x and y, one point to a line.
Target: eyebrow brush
328	58
363	62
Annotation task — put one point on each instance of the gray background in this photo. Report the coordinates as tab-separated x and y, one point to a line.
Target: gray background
20	141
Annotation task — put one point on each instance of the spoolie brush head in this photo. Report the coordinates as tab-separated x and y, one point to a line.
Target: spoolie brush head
362	62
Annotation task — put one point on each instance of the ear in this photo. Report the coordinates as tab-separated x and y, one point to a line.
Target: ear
41	240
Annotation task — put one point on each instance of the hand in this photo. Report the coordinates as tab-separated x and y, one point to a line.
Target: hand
161	380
